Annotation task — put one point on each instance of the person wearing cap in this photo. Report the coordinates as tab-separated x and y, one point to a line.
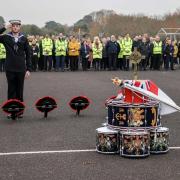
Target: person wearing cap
18	61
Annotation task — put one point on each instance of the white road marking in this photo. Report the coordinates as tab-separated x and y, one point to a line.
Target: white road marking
174	148
47	152
59	152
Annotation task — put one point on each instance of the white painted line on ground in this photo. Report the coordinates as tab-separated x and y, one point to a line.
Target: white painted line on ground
47	152
59	152
174	148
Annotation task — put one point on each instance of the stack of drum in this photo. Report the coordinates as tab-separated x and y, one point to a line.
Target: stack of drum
132	130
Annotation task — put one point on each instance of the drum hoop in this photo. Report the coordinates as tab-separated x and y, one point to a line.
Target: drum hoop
158	130
133	133
131	105
144	155
116	152
111	131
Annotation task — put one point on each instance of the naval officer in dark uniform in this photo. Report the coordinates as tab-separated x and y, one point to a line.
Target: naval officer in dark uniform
18	61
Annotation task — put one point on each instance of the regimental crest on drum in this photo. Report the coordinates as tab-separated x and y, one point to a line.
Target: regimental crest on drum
136	117
121	116
135	145
159	140
107	143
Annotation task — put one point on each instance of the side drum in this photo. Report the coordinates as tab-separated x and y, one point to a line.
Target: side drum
122	115
107	141
159	140
135	144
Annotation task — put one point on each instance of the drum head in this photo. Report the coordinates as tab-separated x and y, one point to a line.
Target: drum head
134	132
160	129
106	130
46	104
13	106
79	102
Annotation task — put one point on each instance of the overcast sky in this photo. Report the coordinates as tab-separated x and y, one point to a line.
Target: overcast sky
69	11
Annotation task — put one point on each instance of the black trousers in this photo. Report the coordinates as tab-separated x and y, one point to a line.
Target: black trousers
120	63
47	63
143	64
104	63
112	61
67	61
40	63
73	63
15	82
168	61
126	63
84	64
2	63
34	62
157	61
96	64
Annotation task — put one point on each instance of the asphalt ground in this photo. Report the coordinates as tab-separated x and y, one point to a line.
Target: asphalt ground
64	131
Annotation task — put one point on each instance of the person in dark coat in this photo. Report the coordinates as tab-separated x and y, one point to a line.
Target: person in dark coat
168	55
104	61
85	53
18	60
136	43
34	54
144	49
113	50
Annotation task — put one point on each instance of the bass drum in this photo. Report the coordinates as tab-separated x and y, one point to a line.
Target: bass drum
107	141
134	143
159	140
123	115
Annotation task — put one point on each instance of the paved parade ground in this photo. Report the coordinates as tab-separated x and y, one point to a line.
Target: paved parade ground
62	146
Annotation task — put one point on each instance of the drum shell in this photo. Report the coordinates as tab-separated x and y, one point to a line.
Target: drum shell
135	143
159	140
128	115
107	141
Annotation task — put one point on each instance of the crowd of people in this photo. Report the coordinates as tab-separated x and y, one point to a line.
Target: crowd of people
61	53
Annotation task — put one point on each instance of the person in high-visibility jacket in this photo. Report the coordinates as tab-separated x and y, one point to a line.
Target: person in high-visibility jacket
73	49
127	50
60	52
2	57
47	47
120	55
175	54
157	53
97	53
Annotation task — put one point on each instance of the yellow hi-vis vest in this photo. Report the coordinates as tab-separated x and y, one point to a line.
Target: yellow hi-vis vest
2	51
97	52
47	46
127	46
61	47
120	55
157	49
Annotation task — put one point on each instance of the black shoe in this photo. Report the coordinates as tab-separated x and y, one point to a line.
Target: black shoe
20	116
9	116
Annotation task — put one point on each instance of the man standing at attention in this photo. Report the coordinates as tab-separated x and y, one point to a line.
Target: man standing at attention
18	62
